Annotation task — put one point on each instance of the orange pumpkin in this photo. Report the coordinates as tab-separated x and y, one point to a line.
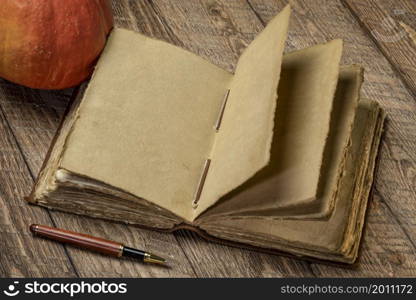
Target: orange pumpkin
52	44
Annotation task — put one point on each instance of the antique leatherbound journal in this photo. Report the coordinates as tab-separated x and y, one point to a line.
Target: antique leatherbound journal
278	155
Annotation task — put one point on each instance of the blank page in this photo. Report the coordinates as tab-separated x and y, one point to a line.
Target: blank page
242	145
145	124
295	173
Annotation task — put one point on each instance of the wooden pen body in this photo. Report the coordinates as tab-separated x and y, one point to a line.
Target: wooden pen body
78	239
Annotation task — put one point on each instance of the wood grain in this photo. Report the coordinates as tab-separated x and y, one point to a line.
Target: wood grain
382	20
22	255
219	30
411	32
42	111
389	244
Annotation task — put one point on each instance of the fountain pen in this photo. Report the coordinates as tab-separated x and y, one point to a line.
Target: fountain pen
94	243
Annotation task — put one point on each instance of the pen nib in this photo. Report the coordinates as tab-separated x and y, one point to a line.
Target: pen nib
151	258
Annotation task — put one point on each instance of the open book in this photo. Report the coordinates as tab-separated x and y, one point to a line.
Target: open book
279	155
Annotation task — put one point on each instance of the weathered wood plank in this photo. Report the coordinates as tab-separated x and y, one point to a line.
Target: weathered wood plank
215	260
35	132
389	243
219	31
34	117
382	20
182	24
410	31
21	254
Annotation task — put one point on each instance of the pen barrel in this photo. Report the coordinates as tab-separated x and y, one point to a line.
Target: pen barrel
78	239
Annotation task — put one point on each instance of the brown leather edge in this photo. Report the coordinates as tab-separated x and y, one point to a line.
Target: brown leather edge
203	234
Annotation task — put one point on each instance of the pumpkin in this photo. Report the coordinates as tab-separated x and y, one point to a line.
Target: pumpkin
52	44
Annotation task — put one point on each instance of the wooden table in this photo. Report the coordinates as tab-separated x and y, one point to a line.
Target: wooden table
378	34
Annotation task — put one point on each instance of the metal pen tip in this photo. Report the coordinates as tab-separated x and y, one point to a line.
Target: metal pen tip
151	258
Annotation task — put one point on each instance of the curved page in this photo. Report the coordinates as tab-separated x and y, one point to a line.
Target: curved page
242	145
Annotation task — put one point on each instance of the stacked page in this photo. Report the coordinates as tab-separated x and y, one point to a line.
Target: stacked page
270	156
